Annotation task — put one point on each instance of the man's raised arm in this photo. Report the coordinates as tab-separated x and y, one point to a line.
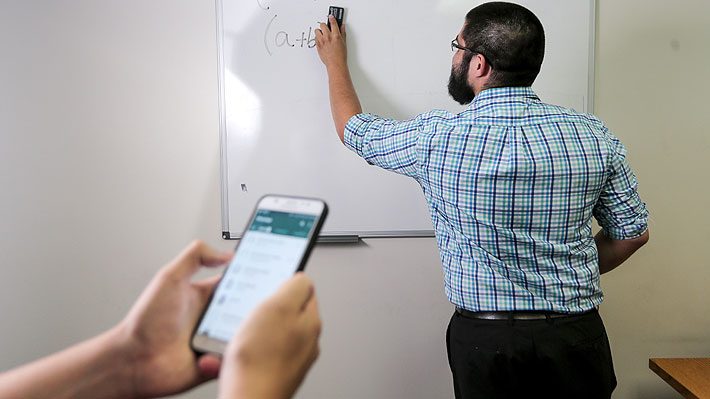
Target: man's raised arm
332	50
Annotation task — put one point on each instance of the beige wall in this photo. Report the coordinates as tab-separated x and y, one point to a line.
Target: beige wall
109	164
651	89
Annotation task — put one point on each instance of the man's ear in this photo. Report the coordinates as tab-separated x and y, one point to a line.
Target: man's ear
479	71
479	66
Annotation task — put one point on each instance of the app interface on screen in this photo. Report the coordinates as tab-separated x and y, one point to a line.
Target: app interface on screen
267	256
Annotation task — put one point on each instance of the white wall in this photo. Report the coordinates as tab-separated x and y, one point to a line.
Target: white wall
109	165
109	159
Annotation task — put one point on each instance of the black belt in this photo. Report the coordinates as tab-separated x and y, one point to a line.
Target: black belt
525	315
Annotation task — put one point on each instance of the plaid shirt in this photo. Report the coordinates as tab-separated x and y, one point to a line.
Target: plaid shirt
512	184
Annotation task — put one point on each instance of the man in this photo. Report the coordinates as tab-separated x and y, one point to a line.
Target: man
512	185
148	354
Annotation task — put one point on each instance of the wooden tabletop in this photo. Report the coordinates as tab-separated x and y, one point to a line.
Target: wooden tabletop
690	376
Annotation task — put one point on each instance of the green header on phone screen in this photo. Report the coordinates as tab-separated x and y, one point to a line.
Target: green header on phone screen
284	223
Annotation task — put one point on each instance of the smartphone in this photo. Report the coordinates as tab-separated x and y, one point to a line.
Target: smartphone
275	245
338	13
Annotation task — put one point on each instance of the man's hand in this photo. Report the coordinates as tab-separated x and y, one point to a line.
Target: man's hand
274	348
331	44
157	329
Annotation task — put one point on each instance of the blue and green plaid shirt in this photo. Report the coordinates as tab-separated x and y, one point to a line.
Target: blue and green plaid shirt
512	184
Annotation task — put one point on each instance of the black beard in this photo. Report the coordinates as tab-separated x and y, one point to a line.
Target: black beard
458	86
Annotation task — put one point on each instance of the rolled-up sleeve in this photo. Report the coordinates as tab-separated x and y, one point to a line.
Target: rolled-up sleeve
620	211
384	142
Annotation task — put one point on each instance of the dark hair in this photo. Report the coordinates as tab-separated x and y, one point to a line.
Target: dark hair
512	40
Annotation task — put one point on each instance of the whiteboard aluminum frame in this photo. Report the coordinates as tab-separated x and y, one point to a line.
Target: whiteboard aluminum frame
592	52
224	161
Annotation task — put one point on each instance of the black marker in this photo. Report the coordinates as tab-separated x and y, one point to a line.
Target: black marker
338	13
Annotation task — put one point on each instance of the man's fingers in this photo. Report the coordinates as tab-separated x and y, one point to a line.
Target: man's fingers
319	38
295	292
324	28
195	255
335	28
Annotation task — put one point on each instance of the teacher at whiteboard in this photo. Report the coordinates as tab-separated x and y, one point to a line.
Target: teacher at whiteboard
512	185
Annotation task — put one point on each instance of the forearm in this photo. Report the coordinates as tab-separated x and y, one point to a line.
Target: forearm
344	102
95	368
613	253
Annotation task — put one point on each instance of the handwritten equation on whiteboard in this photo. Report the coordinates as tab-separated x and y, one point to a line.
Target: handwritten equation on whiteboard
275	39
278	38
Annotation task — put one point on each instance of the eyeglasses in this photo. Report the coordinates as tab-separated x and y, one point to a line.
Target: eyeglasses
455	46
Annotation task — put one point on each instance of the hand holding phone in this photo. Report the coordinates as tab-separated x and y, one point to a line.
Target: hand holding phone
275	245
276	345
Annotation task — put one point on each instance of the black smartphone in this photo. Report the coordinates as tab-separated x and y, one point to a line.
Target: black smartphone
338	13
276	244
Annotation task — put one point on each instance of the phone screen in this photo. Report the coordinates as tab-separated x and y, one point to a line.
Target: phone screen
269	253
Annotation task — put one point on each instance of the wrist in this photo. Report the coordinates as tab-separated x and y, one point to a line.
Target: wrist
131	358
120	355
337	66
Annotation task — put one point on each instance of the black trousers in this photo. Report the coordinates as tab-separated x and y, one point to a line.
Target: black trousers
566	358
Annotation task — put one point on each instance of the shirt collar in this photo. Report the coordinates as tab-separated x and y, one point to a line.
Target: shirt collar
491	97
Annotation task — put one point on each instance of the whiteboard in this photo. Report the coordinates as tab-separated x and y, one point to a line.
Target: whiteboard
277	135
